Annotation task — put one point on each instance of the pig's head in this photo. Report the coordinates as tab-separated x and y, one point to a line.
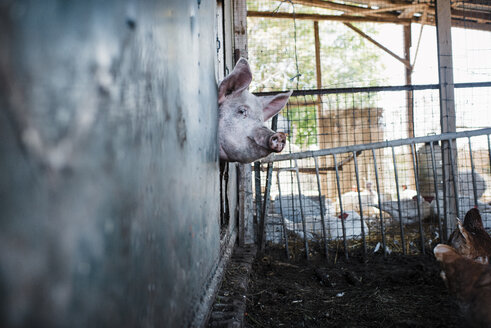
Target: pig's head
242	134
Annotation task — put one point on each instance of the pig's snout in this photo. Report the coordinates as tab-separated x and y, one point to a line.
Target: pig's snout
277	141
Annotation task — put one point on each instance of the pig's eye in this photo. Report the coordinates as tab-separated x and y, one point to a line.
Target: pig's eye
242	111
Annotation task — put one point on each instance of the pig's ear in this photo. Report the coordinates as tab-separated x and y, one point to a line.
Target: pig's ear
273	104
235	82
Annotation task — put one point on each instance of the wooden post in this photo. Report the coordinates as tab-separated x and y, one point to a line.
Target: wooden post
447	105
318	69
246	233
240	29
409	99
321	126
409	72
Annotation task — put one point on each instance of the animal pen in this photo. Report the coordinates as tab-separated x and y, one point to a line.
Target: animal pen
367	167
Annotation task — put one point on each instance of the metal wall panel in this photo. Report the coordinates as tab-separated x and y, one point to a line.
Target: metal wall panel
109	191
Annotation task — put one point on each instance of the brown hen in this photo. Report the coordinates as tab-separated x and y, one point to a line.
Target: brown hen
470	282
470	239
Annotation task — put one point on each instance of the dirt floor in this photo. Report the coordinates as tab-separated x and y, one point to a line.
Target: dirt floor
399	291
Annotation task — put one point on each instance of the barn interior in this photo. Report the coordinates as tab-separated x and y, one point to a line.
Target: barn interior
378	168
115	210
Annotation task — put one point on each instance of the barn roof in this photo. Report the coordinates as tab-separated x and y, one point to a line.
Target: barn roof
472	14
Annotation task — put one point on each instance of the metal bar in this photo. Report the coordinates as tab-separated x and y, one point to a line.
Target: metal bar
359	202
322	208
399	202
382	226
304	227
326	91
257	183
473	170
447	226
435	185
345	243
262	227
418	198
489	150
285	234
454	177
262	239
376	145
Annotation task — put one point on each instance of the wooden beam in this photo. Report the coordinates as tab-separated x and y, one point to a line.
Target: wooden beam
471	25
319	17
415	7
357	30
328	5
294	101
470	14
346	8
430	20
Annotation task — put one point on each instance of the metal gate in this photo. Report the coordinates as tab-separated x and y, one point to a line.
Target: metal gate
385	196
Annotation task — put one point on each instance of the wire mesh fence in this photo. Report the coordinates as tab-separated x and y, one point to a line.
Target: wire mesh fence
365	166
364	200
317	119
353	176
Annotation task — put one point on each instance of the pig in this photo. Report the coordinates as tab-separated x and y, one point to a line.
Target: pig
243	137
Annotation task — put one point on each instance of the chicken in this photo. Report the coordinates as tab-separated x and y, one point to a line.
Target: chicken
369	198
470	239
289	206
407	193
466	184
465	204
352	225
409	209
470	282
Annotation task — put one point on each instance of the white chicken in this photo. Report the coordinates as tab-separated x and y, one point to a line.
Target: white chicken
407	193
290	208
352	223
409	209
369	198
466	202
466	184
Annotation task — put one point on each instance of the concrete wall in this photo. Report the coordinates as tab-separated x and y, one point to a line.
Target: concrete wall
109	191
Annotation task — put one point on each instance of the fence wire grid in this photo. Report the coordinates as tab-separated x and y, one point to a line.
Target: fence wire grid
359	178
365	165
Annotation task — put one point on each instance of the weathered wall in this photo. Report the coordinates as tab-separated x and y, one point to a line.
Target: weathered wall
109	192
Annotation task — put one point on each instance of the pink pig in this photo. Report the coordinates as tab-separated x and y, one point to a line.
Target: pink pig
242	134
